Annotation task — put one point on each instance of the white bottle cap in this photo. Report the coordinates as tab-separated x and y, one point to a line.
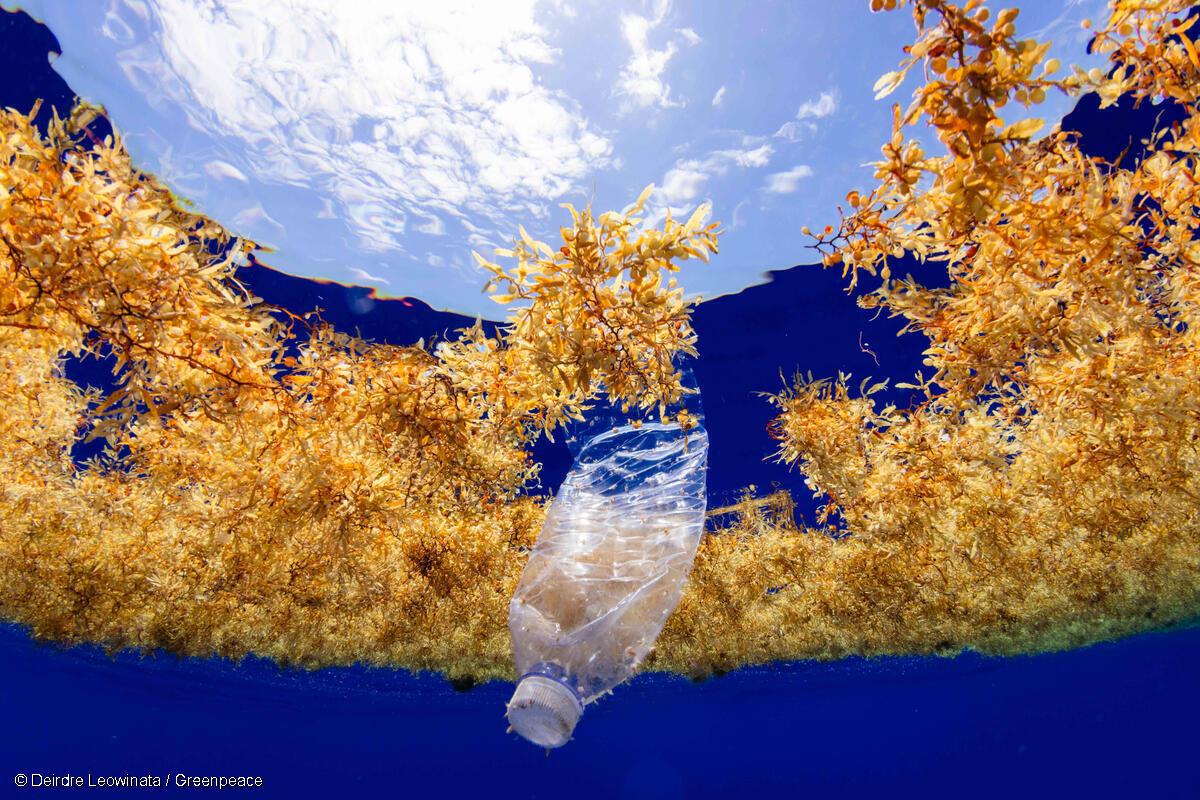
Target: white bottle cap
544	711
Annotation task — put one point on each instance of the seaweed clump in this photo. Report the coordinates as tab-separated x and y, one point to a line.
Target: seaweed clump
272	486
1042	491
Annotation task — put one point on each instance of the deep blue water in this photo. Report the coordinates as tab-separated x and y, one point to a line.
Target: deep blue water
1110	721
1113	720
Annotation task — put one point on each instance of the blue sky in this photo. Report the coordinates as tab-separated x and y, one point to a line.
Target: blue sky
379	143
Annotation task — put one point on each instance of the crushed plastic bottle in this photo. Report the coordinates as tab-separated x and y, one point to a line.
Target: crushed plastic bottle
609	566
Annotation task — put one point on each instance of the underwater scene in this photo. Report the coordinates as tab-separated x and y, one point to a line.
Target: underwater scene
641	399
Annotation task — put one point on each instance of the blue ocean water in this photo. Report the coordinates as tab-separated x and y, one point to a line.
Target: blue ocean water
1113	720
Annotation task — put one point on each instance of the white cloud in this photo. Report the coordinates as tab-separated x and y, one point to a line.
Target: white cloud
739	218
223	169
433	226
681	185
641	80
484	244
794	131
389	110
719	97
256	217
758	157
363	275
787	182
687	179
718	162
823	106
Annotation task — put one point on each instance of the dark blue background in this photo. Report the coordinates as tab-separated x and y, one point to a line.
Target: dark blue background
1110	721
1114	720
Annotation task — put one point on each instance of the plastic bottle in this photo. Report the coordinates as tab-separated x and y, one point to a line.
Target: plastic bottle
608	567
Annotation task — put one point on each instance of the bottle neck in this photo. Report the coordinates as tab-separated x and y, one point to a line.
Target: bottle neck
556	673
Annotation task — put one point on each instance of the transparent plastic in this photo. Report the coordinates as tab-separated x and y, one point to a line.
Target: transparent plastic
609	566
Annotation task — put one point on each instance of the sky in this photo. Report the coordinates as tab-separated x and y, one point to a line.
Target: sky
379	143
